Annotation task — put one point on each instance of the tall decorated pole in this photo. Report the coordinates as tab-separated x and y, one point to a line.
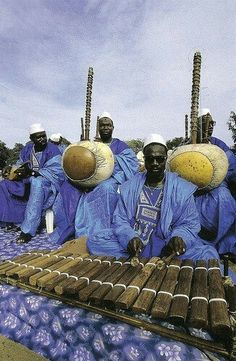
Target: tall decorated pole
186	127
88	103
97	136
82	129
195	96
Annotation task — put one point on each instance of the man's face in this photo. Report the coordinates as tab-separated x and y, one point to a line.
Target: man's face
211	124
211	127
155	156
105	128
39	139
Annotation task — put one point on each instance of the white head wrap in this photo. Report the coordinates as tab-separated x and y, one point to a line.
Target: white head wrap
140	157
55	137
154	138
105	115
204	111
36	128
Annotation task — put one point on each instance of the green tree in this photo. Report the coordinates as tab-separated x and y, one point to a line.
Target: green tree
135	144
175	142
4	154
14	153
232	126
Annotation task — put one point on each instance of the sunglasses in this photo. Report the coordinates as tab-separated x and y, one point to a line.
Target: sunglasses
158	159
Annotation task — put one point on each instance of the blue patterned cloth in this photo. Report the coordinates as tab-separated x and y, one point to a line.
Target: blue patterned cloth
63	333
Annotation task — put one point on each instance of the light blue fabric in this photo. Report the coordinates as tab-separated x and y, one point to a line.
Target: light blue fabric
126	165
88	212
62	147
95	209
53	172
41	197
178	217
217	211
43	190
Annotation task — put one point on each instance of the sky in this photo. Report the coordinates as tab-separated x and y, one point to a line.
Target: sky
141	52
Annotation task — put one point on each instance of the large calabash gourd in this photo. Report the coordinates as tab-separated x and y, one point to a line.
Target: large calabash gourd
205	165
88	163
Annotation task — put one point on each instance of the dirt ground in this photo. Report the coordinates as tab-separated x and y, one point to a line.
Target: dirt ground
13	351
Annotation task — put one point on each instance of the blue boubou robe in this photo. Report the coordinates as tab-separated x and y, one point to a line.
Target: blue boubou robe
81	213
24	201
178	217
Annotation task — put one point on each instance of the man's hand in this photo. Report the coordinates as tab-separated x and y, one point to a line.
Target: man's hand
175	245
135	246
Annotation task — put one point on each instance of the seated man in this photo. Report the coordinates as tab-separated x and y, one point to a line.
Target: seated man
56	139
217	212
76	209
34	190
126	164
230	178
155	215
217	208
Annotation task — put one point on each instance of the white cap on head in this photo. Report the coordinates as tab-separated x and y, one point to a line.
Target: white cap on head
36	128
55	137
154	138
105	115
204	111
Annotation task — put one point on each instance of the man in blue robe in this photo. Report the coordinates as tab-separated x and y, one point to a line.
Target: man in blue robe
23	200
230	178
79	212
155	214
56	138
217	208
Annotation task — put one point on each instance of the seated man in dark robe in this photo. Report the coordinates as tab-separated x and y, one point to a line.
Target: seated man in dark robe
23	200
155	214
74	206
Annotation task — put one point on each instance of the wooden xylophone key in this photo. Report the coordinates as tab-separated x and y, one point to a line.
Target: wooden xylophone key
64	286
67	274
128	297
165	261
40	264
79	279
81	262
164	296
13	271
219	317
43	275
198	314
118	288
26	266
148	294
51	272
10	264
103	281
179	306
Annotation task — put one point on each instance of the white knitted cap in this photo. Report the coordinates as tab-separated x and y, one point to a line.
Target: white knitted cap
105	115
36	128
154	138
